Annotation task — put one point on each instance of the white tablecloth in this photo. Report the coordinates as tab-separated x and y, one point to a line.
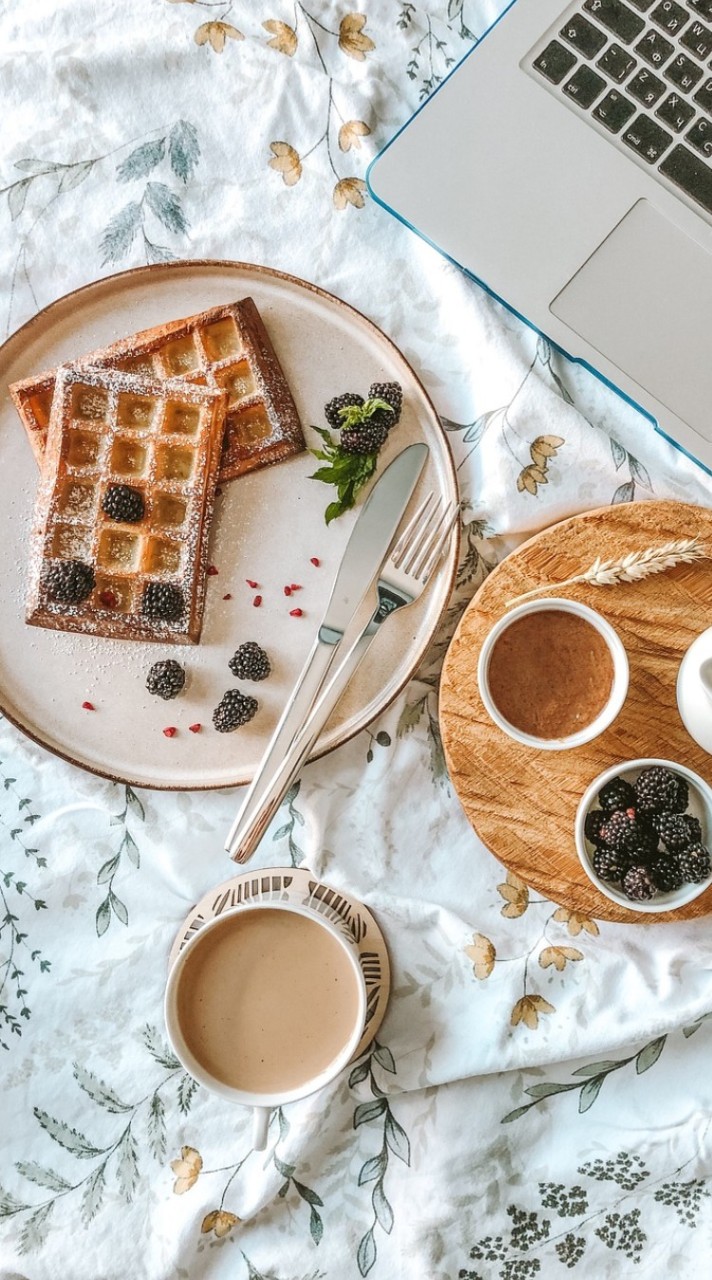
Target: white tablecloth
536	1098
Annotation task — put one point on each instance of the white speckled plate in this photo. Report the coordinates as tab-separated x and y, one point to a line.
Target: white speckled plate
267	528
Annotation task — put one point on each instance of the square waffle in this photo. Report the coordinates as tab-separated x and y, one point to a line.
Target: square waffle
227	347
163	440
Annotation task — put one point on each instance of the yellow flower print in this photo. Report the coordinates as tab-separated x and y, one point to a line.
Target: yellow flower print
528	1009
516	895
216	33
351	133
187	1169
351	38
284	38
575	922
349	191
219	1221
483	955
286	161
558	956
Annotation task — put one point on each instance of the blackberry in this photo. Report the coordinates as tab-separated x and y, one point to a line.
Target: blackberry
332	410
69	581
121	502
392	394
366	438
592	825
162	602
659	790
250	662
623	833
233	710
638	884
617	794
165	679
666	874
695	863
674	831
693	827
610	865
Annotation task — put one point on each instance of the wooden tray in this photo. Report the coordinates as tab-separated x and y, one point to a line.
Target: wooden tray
522	802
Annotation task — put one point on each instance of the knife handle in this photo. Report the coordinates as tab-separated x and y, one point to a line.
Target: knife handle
244	836
261	805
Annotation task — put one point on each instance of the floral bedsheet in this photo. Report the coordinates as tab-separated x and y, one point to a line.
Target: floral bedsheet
537	1100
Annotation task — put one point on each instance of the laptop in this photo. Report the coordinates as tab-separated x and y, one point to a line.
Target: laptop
566	165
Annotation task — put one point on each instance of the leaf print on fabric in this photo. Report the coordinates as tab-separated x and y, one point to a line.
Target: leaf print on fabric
594	1074
395	1142
120	233
216	34
183	150
516	895
558	957
141	161
284	38
529	1009
349	191
483	954
575	923
187	1170
351	133
119	1159
352	41
220	1222
286	161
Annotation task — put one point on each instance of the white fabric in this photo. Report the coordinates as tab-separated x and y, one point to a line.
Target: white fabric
93	1111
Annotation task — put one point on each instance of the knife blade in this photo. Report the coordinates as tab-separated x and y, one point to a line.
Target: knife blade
369	540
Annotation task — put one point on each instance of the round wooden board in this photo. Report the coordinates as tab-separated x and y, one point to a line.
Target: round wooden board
522	802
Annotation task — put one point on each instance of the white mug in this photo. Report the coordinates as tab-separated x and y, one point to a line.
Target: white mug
262	1103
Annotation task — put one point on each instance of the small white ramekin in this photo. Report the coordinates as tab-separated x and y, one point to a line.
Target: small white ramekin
619	687
700	806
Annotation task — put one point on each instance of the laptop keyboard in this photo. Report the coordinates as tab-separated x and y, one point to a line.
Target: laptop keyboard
641	71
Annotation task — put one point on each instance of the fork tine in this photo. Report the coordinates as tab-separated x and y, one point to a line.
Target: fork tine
438	542
421	538
404	542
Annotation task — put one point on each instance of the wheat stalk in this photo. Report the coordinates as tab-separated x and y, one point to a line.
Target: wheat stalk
630	568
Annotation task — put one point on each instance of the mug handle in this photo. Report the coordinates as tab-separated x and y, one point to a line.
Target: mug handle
260	1126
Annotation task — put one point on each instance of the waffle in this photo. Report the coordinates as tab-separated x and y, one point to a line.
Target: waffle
161	438
227	347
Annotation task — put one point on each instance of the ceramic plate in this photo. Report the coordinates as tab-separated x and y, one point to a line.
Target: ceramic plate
267	528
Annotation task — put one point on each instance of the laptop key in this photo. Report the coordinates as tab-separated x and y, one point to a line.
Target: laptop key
643	5
703	7
698	39
617	17
670	16
654	48
584	86
683	72
582	35
703	97
700	137
554	62
616	63
675	112
690	174
646	87
647	139
614	111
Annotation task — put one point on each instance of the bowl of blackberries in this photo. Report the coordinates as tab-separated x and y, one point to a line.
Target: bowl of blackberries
643	833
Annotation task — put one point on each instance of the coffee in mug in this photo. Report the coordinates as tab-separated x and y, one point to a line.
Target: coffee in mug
266	1004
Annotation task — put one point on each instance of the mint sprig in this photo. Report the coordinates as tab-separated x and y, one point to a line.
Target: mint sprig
349	472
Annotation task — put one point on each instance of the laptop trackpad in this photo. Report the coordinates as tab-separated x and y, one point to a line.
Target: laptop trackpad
644	301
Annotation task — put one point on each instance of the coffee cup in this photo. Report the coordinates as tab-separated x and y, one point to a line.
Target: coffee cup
266	1003
552	674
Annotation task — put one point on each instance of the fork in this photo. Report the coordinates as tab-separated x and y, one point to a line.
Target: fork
403	578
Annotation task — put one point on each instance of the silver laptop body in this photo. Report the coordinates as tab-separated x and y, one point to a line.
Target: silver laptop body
576	186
